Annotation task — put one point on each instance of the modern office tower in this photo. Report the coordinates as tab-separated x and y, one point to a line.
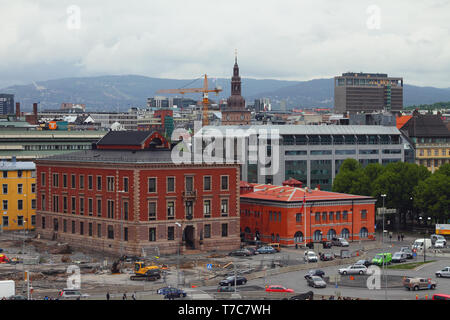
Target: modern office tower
6	103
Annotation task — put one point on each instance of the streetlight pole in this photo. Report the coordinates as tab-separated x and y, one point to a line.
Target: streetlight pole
384	256
178	256
384	211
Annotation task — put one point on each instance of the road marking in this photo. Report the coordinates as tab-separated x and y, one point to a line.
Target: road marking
423	266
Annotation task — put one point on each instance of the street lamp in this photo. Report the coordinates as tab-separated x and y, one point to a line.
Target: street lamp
384	211
384	256
178	256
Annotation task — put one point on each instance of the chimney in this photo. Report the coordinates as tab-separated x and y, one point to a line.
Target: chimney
35	109
17	109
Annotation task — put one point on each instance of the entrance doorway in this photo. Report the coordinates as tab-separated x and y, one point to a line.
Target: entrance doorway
189	237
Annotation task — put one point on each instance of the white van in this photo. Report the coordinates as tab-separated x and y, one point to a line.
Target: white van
419	244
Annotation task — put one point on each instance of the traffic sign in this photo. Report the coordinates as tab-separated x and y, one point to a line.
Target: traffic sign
209	266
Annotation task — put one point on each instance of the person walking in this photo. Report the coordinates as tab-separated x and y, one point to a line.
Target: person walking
124	297
398	237
133	296
107	296
402	236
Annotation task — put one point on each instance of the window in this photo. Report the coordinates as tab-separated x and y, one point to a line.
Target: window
224	207
5	221
363	214
338	215
151	185
33	204
224	230
344	215
43	202
125	210
110	232
151	234
99	183
170	233
55	180
170	184
90	206
73	181
99	230
207	183
5	204
207	208
298	217
64	225
43	222
64	180
73	227
170	210
5	174
207	231
99	207
55	203
189	184
317	217
5	189
81	228
65	204
125	184
73	206
90	229
189	209
152	211
125	234
224	183
81	206
33	188
110	211
330	216
110	184
90	182
19	173
81	181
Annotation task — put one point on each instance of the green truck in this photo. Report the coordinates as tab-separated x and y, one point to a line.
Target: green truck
382	257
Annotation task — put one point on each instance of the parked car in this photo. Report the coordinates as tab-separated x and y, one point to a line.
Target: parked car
17	297
266	249
439	243
382	258
311	256
277	288
276	246
240	252
436	237
327	256
340	242
252	250
444	273
418	283
72	294
226	289
399	257
326	244
353	269
314	273
316	282
365	263
171	292
229	281
408	252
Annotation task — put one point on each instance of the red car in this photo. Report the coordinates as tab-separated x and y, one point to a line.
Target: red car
276	288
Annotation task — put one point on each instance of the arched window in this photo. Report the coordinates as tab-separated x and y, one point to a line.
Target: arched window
331	234
317	235
298	237
364	233
345	233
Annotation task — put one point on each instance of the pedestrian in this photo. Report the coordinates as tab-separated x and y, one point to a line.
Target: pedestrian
398	237
107	296
124	297
402	236
133	296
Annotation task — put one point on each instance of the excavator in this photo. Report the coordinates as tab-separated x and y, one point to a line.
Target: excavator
143	272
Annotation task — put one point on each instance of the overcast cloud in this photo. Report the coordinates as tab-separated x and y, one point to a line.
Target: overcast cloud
285	39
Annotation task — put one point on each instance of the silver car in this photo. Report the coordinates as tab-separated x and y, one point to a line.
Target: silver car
354	269
444	273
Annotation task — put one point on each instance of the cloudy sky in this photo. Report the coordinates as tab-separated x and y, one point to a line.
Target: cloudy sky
284	39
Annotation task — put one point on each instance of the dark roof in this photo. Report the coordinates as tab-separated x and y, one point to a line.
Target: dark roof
426	125
129	138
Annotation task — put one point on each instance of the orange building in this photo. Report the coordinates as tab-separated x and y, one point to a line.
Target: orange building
291	215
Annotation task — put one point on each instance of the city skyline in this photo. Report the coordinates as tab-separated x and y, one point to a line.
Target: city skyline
286	41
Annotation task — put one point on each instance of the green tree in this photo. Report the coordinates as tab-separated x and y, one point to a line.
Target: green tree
348	178
432	195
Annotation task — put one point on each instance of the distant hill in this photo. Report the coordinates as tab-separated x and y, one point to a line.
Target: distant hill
113	93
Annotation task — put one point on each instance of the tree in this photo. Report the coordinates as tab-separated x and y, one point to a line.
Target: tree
432	195
348	178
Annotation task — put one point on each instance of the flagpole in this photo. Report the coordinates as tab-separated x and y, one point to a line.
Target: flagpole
304	210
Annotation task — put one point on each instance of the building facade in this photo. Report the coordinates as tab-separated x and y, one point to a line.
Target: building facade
127	195
295	216
18	195
6	103
311	154
367	92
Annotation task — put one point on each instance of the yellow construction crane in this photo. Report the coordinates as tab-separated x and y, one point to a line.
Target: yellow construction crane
204	90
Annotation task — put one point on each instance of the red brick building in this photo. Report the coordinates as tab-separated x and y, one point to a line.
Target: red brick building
128	188
291	215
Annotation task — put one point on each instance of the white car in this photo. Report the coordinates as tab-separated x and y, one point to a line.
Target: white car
439	244
444	273
311	256
354	269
